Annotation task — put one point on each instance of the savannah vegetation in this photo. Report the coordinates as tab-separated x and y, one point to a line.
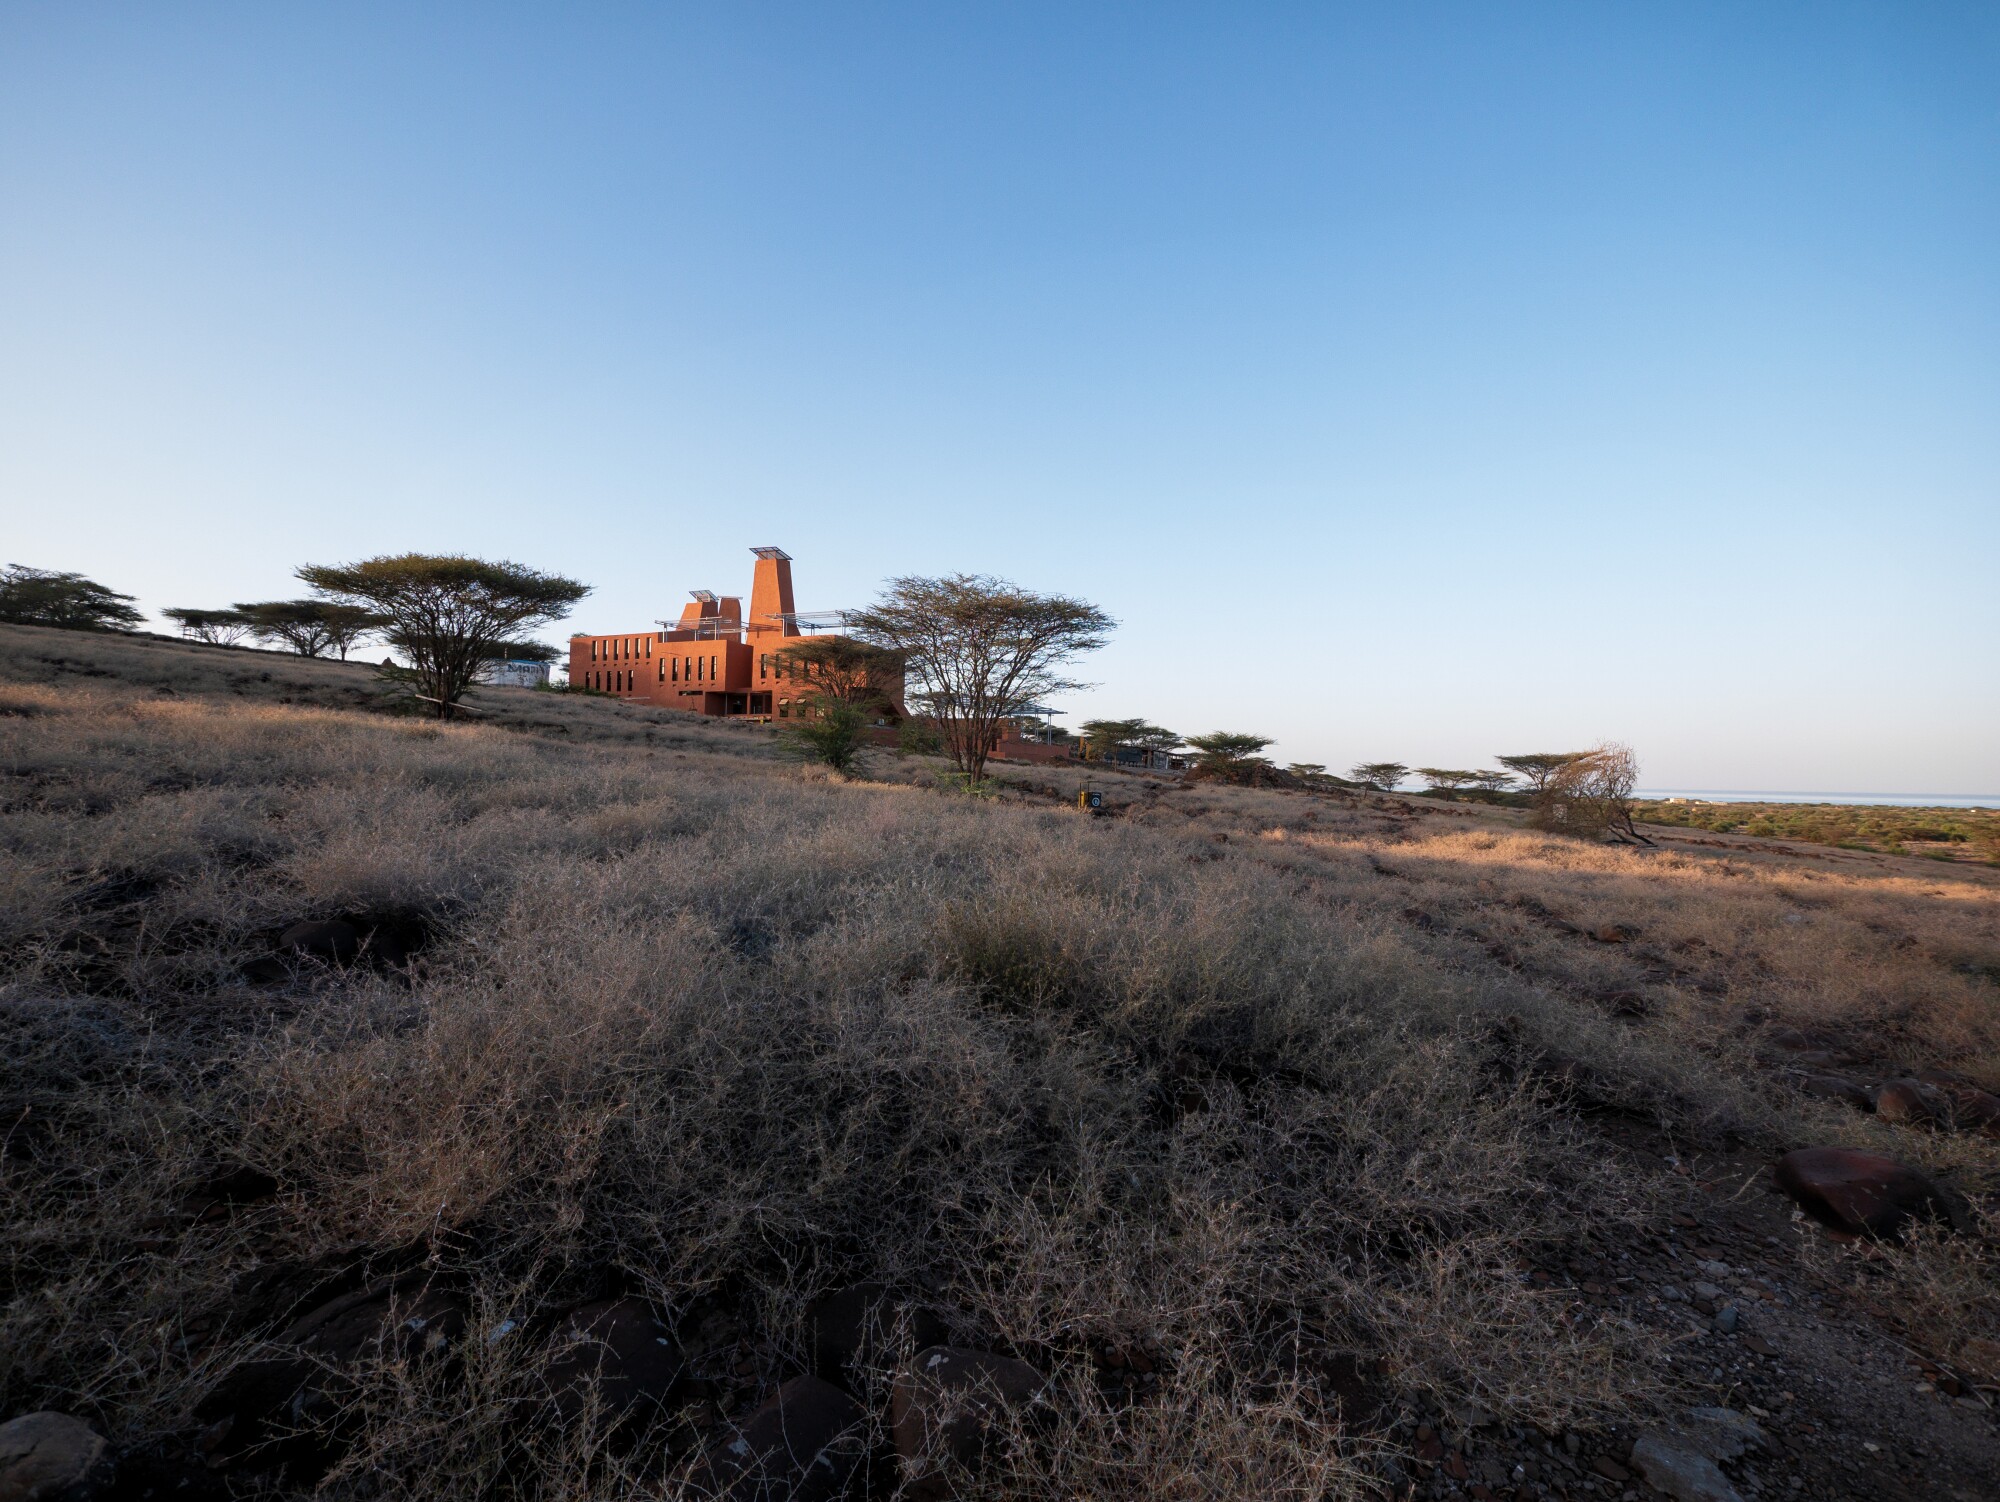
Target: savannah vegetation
68	601
978	652
1266	1083
1950	834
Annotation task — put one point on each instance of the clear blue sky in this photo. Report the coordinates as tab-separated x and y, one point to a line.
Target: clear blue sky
1414	381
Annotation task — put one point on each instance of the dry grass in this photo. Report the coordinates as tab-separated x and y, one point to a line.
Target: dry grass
731	1035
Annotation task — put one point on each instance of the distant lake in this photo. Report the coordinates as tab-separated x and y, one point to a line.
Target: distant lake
1902	800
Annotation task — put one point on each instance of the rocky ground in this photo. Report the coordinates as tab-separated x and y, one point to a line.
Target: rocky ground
1824	1400
380	1252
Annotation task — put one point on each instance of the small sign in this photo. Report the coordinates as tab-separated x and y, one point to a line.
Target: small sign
1090	798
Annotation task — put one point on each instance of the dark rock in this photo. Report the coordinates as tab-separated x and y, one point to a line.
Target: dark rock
867	1327
618	1350
335	942
1909	1102
945	1406
1680	1470
1970	1108
1610	1469
1863	1194
237	1185
801	1446
1834	1087
302	1391
1722	1433
51	1457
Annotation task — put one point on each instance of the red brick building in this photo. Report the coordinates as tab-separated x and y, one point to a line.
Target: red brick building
713	660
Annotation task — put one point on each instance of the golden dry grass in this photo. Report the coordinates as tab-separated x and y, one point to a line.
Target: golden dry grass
1231	1065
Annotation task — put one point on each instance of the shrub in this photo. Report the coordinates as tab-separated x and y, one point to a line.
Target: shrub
832	732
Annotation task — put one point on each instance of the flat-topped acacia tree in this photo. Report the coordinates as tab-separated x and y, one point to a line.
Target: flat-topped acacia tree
1539	769
1381	776
44	597
449	615
218	628
1228	753
311	628
978	651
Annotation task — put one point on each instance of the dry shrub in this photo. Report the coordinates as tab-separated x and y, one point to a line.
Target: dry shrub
743	1036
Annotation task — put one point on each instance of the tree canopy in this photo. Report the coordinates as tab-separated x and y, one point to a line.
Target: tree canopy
978	651
1103	737
1445	779
311	628
1227	749
1591	793
844	670
44	597
219	628
1536	768
449	615
1382	776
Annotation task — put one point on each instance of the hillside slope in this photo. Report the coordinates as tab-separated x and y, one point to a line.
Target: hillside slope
1304	1146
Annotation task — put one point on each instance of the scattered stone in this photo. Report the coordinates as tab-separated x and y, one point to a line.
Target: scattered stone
1971	1108
302	1392
333	941
1836	1087
1909	1102
1760	1345
1726	1319
237	1185
1610	1469
944	1407
1861	1193
1681	1471
1723	1433
866	1327
801	1446
51	1457
618	1350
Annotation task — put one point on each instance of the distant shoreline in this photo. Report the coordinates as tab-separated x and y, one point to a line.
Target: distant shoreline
1883	800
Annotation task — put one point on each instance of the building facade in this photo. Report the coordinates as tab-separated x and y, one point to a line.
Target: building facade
714	660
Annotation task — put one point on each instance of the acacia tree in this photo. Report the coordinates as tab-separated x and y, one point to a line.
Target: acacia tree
44	597
449	615
842	669
1493	782
1102	737
980	651
1381	776
219	628
1537	768
1229	753
311	628
1446	780
1591	793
